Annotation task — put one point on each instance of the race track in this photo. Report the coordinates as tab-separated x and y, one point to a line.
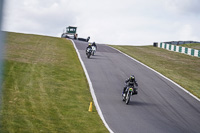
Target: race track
159	107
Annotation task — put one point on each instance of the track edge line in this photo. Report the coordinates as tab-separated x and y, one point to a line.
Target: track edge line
92	90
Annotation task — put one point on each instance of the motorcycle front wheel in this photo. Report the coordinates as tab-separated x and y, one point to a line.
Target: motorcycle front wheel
128	96
88	55
123	97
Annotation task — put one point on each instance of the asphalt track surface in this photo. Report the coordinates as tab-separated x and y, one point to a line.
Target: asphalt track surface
159	107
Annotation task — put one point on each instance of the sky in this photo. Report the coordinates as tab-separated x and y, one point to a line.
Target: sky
119	22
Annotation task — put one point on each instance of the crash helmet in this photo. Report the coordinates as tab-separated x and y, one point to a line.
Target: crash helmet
89	44
132	77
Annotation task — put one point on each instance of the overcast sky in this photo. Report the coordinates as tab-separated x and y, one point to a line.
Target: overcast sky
121	22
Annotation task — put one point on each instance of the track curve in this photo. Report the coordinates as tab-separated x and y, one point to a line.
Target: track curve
159	107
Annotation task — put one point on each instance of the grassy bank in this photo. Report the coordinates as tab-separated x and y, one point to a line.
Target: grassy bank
181	68
192	45
44	88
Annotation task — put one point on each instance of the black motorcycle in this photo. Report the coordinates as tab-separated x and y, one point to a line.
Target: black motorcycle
128	93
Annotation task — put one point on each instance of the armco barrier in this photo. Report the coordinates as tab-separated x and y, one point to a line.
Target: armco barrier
175	48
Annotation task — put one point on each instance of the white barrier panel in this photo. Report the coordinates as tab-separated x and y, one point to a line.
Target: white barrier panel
159	45
167	47
183	50
189	51
172	47
163	45
196	52
177	48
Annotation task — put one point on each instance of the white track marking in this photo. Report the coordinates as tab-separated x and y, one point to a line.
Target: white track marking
92	90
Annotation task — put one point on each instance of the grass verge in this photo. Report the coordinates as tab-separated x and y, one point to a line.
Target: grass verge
192	45
44	88
181	68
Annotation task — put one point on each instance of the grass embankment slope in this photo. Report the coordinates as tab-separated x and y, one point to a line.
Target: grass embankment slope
181	68
192	45
44	88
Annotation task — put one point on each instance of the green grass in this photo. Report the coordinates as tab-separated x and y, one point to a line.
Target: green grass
44	88
181	68
192	45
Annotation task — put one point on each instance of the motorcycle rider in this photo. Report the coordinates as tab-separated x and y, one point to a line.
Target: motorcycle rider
94	44
89	46
130	82
87	40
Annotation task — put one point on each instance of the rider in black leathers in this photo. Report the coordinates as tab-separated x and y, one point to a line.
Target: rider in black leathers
131	82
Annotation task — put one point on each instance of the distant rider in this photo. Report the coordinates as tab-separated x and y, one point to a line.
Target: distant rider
87	40
130	82
94	44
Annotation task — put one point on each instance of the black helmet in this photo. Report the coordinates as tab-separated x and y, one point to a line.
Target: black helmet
132	77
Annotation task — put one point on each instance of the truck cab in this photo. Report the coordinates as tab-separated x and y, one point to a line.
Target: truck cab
70	32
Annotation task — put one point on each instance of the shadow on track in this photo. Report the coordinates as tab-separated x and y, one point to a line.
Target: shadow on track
138	103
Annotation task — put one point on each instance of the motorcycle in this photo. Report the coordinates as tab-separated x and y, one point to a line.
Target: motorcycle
128	93
93	50
89	52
